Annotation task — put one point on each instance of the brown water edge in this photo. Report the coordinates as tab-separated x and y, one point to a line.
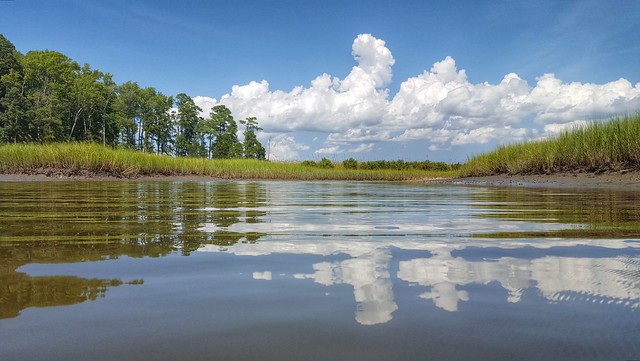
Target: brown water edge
621	180
51	175
99	177
624	181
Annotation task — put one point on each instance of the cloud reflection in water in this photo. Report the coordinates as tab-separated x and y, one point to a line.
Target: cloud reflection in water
368	272
460	228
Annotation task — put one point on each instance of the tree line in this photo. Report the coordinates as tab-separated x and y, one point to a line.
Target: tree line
352	163
47	97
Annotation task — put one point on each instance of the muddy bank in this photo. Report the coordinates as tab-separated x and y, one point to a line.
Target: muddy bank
628	180
88	176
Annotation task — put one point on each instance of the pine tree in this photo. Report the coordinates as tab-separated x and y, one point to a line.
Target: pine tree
188	126
225	129
252	148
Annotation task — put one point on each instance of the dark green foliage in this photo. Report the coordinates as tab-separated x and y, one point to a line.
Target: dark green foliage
9	57
158	122
49	78
128	112
252	148
91	107
187	141
325	163
402	165
143	118
48	97
350	163
224	128
17	109
9	61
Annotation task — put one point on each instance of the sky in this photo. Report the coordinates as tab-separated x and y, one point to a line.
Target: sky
411	80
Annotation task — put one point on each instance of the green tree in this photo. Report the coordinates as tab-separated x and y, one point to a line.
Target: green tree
9	60
49	77
17	111
187	119
90	96
107	129
147	114
224	128
252	148
158	122
206	130
128	111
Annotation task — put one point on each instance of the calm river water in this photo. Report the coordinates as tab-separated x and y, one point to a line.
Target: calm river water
317	271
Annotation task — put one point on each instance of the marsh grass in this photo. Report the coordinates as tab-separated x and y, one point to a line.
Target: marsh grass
93	159
612	145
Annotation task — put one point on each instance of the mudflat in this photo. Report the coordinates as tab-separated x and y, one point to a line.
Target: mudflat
628	180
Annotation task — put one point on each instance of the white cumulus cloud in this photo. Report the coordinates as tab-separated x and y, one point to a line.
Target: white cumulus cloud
283	147
206	104
329	103
556	101
440	106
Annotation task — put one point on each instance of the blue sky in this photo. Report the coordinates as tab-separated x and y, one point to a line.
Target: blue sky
473	71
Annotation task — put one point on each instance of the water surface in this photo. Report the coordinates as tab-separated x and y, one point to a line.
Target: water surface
315	271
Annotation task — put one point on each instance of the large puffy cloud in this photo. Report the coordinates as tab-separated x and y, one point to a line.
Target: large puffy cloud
330	103
440	105
560	102
445	95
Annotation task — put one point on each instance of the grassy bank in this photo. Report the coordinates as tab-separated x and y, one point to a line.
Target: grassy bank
612	145
92	159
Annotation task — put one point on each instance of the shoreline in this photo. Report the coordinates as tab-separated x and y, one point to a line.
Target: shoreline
62	176
623	181
25	177
620	181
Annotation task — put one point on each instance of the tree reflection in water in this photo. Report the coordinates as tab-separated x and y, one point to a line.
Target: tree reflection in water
50	223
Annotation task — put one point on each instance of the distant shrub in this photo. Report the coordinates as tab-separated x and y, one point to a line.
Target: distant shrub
350	163
400	165
325	163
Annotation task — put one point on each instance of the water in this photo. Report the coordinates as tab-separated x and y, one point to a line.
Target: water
317	271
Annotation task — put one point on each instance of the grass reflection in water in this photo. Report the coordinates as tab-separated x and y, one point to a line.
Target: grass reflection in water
594	213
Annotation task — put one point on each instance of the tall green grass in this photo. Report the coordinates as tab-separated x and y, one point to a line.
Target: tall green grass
611	145
90	159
